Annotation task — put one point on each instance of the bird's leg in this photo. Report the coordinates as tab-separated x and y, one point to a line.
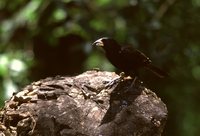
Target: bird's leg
135	81
116	80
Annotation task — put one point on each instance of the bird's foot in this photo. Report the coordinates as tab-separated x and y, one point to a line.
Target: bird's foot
95	69
112	82
115	80
122	75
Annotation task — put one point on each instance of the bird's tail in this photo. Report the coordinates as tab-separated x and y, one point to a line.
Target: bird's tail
160	73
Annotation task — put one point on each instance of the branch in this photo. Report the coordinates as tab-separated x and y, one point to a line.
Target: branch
163	9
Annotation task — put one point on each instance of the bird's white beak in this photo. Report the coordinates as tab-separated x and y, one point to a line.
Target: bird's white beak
98	43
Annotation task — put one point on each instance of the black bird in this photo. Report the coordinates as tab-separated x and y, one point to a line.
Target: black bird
127	59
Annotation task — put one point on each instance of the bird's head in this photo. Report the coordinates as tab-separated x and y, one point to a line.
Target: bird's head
107	44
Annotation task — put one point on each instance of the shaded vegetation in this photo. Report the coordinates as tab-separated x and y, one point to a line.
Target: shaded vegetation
48	38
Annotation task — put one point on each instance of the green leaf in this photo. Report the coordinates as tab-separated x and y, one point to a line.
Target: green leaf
4	61
59	14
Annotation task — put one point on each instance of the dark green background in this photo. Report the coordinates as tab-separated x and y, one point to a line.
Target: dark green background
41	38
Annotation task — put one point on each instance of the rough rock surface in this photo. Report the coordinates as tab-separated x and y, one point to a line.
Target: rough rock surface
89	104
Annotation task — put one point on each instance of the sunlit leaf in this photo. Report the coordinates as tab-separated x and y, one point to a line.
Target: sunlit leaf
103	2
28	13
4	61
9	87
98	24
196	3
59	14
17	66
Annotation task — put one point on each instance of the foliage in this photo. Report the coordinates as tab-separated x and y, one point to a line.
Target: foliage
47	38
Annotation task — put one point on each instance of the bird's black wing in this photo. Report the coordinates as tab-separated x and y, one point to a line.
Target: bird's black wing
139	59
134	55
